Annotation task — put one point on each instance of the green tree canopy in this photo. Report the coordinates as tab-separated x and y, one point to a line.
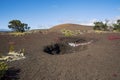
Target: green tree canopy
117	25
18	26
100	26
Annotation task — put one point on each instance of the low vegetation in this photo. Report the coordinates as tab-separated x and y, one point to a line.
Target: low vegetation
11	46
67	33
3	69
12	54
16	34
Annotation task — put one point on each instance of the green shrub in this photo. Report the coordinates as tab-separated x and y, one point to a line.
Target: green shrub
18	34
3	69
67	33
11	46
11	49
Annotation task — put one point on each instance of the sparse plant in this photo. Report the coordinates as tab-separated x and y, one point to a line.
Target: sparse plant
11	46
17	33
77	32
3	69
67	33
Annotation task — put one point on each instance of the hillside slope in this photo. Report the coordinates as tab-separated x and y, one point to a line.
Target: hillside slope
69	26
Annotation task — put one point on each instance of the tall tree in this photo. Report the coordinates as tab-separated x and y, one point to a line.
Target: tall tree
18	26
100	26
117	25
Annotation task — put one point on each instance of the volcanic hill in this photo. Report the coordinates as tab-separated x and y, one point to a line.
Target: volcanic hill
70	26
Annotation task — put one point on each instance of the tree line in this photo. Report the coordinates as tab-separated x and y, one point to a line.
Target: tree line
99	25
18	26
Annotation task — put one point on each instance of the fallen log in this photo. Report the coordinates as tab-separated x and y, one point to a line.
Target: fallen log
78	44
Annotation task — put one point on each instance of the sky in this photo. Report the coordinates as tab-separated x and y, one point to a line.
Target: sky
48	13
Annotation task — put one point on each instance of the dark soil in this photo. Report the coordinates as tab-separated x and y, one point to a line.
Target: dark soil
99	61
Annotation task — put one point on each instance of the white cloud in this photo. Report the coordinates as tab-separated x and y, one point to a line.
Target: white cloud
87	22
113	20
118	17
90	22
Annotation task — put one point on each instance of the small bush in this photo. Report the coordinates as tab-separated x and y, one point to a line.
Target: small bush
67	33
3	69
11	46
11	49
18	33
78	32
